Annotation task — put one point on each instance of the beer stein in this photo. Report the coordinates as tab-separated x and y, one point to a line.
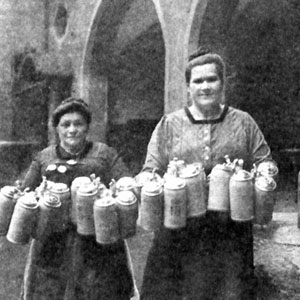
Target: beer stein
125	184
128	213
49	216
8	198
23	219
241	193
175	203
85	198
264	199
62	191
218	195
106	220
268	168
151	208
76	183
174	168
142	178
196	188
171	172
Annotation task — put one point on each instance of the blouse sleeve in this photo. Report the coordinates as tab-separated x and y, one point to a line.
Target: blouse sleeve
158	148
33	176
259	149
117	167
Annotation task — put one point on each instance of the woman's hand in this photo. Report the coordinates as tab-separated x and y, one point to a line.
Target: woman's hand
208	179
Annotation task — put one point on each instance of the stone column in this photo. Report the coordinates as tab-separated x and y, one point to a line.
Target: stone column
177	17
96	89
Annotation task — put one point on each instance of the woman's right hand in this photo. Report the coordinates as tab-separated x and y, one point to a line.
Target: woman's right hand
208	179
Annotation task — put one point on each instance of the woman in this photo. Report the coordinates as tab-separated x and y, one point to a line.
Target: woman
210	258
67	265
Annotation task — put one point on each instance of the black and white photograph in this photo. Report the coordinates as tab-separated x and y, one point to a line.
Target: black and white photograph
149	150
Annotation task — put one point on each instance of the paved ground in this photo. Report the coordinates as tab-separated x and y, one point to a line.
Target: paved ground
277	260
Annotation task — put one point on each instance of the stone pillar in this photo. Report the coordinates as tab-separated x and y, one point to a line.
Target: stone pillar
177	17
298	199
96	89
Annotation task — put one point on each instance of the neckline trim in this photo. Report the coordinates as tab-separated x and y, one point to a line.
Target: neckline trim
212	121
62	154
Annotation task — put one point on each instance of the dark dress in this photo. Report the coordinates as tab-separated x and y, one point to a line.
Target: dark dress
212	257
67	265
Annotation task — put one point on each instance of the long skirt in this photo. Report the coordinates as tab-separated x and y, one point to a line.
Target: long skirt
210	259
67	266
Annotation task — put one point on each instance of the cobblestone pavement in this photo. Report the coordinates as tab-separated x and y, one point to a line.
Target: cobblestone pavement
277	260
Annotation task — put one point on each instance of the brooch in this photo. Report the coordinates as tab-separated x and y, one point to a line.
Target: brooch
71	162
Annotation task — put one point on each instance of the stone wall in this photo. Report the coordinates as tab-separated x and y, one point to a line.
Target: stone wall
21	26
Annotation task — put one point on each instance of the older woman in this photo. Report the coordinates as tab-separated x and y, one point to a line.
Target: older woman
210	258
67	265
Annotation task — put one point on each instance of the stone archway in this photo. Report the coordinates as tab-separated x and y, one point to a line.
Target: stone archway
123	75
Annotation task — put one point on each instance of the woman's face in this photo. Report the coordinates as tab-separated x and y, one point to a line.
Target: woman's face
72	131
205	87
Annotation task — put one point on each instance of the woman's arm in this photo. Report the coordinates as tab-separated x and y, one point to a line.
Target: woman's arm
157	151
33	176
117	166
258	147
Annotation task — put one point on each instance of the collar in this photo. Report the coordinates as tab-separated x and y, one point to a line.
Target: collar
63	154
212	121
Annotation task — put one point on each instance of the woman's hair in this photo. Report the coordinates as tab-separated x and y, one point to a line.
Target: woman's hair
71	105
201	57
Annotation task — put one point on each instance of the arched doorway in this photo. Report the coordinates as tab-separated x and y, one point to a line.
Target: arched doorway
123	75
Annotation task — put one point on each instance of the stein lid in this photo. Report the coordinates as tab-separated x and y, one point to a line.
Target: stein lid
145	176
242	175
176	165
268	167
104	202
28	200
81	180
180	164
152	187
9	191
198	165
125	184
265	183
177	162
126	198
223	167
59	187
88	188
51	200
171	171
189	171
175	183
